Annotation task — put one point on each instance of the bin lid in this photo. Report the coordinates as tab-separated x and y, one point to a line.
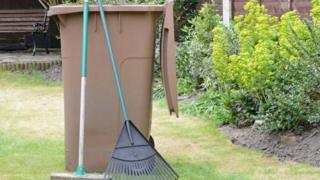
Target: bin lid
168	60
77	8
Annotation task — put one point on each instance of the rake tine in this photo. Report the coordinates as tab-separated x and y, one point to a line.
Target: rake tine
127	170
166	171
116	170
108	169
120	169
132	172
167	167
159	170
162	173
149	167
146	170
134	169
138	167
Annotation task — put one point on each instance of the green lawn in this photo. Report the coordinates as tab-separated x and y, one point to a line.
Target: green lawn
31	139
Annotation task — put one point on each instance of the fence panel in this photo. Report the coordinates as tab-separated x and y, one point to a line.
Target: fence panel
275	7
302	6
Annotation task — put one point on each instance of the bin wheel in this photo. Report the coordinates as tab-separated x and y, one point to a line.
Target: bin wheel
151	141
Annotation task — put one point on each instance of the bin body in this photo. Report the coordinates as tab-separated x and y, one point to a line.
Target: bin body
133	33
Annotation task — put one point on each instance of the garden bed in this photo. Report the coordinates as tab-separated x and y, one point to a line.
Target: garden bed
302	146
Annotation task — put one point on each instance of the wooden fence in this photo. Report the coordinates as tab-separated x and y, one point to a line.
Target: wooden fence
275	7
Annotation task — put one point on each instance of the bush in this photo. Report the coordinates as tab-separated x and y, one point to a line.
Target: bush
225	45
213	106
276	68
292	101
252	68
224	107
315	12
194	54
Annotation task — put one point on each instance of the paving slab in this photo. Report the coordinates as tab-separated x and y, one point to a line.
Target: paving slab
72	176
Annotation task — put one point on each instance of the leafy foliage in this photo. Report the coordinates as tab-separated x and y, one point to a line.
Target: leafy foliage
315	11
225	45
262	68
212	105
292	28
194	54
252	68
224	106
277	66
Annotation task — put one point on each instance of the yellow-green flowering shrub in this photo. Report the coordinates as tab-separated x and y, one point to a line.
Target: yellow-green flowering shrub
288	41
221	55
290	102
277	66
315	11
252	68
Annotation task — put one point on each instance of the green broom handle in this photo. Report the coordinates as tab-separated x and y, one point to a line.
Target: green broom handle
84	63
115	69
80	171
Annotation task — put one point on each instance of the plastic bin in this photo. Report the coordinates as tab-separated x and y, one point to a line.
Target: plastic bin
133	32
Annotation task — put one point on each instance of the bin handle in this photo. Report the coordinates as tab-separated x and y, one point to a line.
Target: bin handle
168	59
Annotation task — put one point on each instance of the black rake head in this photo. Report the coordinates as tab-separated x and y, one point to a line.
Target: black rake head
137	161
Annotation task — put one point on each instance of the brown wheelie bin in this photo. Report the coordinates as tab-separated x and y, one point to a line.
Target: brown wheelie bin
133	32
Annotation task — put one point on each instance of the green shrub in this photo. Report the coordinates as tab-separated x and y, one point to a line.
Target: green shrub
225	44
274	77
288	104
242	105
211	105
315	12
158	90
224	106
292	32
194	54
252	68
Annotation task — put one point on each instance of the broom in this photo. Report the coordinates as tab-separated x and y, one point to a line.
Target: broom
80	171
133	156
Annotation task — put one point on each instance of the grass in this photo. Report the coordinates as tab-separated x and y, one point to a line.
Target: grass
31	126
31	139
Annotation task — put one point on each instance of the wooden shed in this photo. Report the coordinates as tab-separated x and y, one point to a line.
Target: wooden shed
15	39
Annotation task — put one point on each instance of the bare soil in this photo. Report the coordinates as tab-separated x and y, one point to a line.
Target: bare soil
303	146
